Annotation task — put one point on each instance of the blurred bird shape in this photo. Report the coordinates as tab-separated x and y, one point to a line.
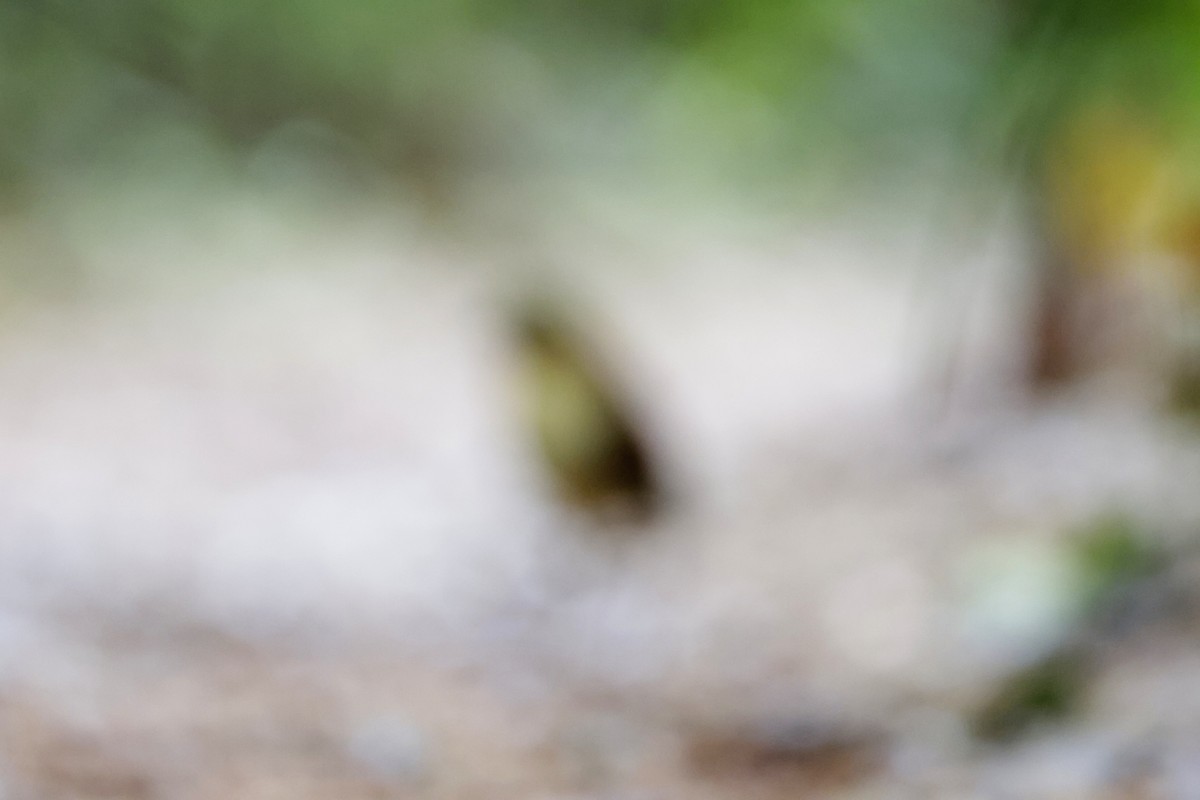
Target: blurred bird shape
589	441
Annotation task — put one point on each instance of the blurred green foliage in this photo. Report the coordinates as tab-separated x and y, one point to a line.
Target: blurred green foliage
1050	691
1063	55
1113	554
1119	572
776	91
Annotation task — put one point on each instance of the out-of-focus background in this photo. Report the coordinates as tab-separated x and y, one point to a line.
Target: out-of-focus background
894	308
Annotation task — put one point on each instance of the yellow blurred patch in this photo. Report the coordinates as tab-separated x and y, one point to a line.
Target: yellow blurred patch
1109	184
573	423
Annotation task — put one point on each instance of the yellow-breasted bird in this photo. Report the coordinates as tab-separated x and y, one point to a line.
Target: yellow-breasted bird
589	441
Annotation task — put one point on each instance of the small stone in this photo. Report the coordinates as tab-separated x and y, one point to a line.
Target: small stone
392	748
601	750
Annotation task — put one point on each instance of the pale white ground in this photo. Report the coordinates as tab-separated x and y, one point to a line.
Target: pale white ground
268	525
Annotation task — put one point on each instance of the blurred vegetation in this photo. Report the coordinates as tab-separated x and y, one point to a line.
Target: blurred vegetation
1114	555
1048	692
790	96
1120	584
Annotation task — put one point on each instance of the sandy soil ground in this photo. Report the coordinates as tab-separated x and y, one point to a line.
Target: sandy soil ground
268	529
